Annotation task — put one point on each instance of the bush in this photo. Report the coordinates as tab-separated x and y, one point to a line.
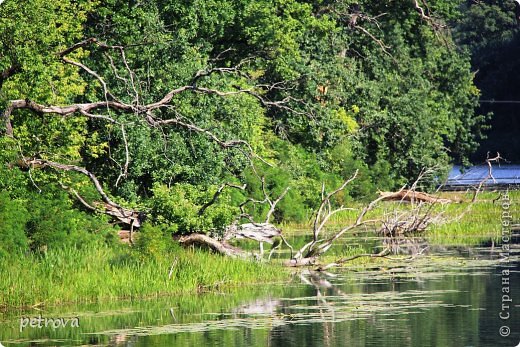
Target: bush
13	218
152	242
54	223
178	208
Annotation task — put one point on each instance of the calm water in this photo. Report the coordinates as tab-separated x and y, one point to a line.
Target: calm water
426	302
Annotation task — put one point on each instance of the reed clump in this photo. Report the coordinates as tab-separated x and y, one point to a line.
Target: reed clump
106	273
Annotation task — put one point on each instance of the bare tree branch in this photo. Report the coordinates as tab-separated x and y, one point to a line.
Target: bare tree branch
151	113
124	171
383	254
44	163
106	92
83	109
322	216
272	204
489	176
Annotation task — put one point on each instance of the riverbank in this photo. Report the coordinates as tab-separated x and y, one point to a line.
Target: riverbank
108	273
461	222
96	274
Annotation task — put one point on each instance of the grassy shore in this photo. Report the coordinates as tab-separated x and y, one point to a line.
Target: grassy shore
108	273
89	275
470	223
463	222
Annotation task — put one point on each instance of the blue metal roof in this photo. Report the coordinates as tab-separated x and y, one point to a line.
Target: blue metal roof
503	175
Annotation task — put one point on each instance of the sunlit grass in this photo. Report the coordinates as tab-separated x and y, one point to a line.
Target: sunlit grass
471	223
90	275
462	222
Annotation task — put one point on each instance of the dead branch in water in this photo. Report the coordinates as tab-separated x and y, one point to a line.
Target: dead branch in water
313	249
415	217
385	253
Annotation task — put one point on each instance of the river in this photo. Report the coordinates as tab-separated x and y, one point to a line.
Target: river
452	296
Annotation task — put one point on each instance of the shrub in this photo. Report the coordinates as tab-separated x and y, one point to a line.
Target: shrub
54	223
13	218
152	242
178	208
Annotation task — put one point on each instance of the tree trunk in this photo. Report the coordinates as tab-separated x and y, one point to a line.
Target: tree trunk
215	245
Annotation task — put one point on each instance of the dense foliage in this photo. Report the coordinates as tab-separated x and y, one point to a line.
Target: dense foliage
317	89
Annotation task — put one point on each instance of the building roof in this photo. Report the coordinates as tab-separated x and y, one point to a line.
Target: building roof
503	175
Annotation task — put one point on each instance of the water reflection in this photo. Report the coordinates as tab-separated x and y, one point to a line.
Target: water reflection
424	302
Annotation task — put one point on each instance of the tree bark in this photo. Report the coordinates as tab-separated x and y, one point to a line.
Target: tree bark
261	232
215	245
413	196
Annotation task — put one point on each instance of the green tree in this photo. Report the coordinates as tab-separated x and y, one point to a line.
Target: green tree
177	98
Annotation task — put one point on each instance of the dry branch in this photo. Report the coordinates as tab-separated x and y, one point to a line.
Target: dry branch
489	161
217	246
413	196
385	253
414	218
317	246
424	11
261	232
109	207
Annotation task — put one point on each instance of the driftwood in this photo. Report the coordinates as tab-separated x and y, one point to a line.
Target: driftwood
413	196
301	262
261	232
221	247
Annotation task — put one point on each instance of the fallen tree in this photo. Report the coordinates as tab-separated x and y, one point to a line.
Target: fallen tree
413	218
221	247
414	196
257	231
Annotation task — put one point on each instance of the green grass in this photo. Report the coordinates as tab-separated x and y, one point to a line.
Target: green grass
471	223
109	273
463	223
90	275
